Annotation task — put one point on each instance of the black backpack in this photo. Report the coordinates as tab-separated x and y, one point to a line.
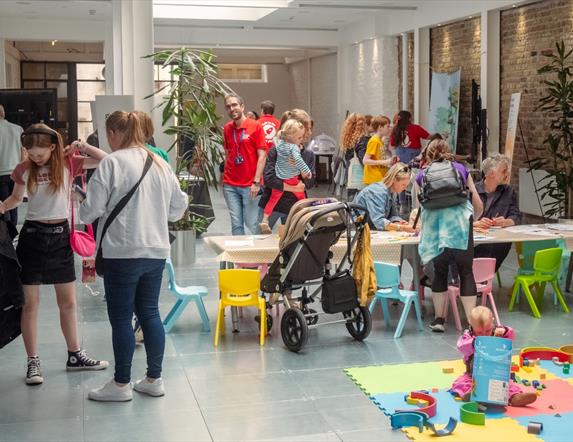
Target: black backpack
442	186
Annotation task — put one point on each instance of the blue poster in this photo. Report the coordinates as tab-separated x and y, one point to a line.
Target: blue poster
492	367
444	106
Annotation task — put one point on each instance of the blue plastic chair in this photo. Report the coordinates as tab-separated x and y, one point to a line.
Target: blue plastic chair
184	295
388	281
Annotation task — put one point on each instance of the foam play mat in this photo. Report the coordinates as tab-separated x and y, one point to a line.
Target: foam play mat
389	386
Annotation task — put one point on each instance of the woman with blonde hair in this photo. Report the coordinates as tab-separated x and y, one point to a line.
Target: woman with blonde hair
446	237
354	138
135	194
379	198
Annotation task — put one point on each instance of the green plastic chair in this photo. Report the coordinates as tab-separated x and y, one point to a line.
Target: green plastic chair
546	265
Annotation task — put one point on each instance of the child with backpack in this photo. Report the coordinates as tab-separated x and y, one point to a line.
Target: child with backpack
44	250
446	237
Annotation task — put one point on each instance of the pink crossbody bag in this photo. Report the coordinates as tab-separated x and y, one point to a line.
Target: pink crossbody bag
82	243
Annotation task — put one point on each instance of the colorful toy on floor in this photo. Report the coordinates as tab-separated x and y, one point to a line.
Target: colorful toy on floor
534	427
429	408
471	414
402	419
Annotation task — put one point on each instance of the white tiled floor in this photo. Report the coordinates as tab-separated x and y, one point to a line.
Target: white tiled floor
236	392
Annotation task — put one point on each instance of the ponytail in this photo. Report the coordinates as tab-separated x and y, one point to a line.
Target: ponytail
130	126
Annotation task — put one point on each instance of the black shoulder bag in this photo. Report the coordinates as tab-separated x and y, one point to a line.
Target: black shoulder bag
118	208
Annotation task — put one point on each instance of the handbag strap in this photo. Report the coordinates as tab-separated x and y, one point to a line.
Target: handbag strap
122	203
73	226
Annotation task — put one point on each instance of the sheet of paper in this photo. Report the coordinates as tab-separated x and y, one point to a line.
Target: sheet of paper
560	227
239	243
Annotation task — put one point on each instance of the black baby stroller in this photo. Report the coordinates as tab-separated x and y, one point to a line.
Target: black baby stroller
304	260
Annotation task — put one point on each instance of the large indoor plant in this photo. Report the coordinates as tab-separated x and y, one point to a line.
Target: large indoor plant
189	113
558	105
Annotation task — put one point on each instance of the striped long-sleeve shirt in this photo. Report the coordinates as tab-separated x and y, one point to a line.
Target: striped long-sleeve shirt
283	168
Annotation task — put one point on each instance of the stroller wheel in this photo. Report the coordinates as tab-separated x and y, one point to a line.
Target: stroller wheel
294	329
311	320
359	323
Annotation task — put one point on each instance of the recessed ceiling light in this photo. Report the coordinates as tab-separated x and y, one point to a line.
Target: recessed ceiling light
470	17
439	24
514	6
54	42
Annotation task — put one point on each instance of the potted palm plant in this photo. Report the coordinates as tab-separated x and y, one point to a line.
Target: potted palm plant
189	114
558	105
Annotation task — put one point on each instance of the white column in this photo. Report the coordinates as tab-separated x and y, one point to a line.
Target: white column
2	64
343	81
405	91
489	77
109	64
133	39
421	75
386	53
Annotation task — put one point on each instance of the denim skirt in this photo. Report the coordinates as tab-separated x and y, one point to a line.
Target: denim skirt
45	253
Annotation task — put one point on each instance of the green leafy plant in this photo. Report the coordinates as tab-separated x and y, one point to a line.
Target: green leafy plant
189	112
558	105
190	102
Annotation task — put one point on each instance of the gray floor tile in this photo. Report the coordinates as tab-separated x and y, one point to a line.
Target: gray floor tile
385	434
179	425
43	430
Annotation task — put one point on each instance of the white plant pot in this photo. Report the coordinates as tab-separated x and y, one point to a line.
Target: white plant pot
183	248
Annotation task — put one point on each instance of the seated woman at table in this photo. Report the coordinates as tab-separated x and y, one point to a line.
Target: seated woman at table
446	238
379	199
500	205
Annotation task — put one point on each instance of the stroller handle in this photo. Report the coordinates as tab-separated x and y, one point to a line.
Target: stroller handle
335	207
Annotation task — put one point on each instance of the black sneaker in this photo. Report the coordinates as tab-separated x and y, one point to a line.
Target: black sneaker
34	374
78	360
437	325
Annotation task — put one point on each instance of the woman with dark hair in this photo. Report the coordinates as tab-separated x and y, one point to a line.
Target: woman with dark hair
406	138
271	181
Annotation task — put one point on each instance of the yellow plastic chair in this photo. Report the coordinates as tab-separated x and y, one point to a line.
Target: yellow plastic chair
546	265
240	288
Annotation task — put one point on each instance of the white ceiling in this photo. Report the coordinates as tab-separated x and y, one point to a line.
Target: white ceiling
57	9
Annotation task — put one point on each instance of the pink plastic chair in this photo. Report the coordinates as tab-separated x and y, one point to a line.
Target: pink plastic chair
484	273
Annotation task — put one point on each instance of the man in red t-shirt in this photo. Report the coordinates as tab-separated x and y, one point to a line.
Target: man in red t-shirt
246	151
268	122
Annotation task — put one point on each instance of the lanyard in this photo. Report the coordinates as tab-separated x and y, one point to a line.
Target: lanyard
238	145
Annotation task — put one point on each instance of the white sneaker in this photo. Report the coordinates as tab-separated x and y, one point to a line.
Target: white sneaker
154	389
111	392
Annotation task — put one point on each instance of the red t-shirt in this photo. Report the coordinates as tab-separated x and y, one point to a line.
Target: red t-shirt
414	133
270	127
241	146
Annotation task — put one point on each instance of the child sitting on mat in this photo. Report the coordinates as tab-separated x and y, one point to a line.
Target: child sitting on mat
288	167
481	324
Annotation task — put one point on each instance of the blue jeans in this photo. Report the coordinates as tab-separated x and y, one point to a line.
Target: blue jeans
406	155
244	211
133	286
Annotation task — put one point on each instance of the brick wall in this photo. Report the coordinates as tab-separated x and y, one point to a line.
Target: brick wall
451	47
400	78
526	33
411	74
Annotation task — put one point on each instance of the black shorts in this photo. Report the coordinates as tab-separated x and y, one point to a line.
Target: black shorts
45	253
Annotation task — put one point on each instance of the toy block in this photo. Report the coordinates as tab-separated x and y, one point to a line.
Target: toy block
457	398
435	390
556	361
557	415
447	370
527	368
512	376
552	407
537	392
534	427
535	384
514	368
525	362
542	376
525	382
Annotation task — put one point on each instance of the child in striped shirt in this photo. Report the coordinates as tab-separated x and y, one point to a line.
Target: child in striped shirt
288	167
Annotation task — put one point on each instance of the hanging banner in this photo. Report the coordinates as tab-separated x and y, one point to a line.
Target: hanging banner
512	125
445	105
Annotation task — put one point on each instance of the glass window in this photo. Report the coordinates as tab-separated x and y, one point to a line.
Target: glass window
90	71
63	110
87	90
56	71
84	112
61	86
33	85
84	130
33	71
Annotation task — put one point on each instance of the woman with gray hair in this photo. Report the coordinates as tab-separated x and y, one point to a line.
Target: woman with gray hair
500	205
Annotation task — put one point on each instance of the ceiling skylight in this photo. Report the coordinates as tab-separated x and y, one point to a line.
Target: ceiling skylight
245	10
